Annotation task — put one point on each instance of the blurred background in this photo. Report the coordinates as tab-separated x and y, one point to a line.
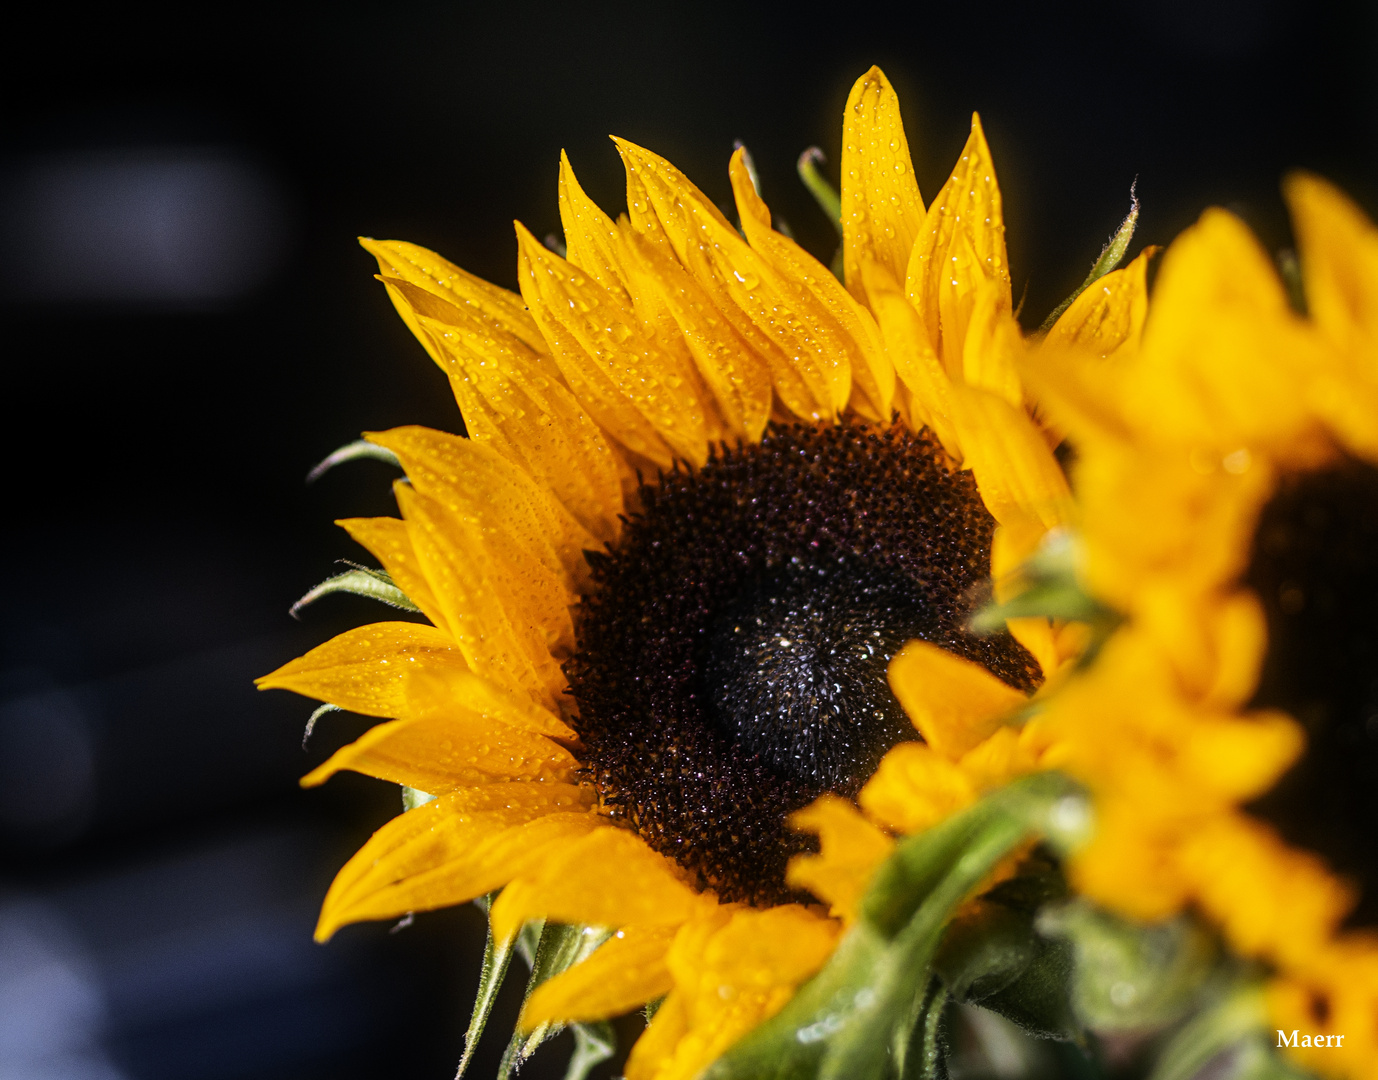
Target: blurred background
189	326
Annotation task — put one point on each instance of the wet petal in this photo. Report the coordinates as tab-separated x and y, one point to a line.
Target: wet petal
882	210
365	669
455	848
389	540
961	245
1107	320
637	391
914	788
626	971
572	886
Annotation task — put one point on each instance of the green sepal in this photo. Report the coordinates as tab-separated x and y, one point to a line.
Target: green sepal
1131	977
593	1043
496	958
557	949
316	714
1109	258
358	581
823	192
358	450
858	1016
413	797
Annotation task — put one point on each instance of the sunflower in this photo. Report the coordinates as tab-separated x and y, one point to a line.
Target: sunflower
1227	487
708	492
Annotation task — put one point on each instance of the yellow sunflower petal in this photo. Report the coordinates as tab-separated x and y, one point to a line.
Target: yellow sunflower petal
1339	257
911	352
592	240
1107	320
850	850
915	787
365	669
1016	472
961	245
882	210
500	638
1218	308
440	753
455	848
627	970
515	401
653	1055
637	391
954	703
390	541
478	482
993	346
781	310
872	370
571	886
496	307
738	378
438	691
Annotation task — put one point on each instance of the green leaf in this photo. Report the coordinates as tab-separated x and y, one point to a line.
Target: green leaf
496	958
558	948
1109	258
358	450
358	581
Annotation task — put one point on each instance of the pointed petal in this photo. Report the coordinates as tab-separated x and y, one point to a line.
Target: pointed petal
516	401
389	541
1109	316
915	788
850	850
626	971
635	390
476	481
872	370
742	282
737	377
576	886
1018	476
955	703
441	753
364	669
592	239
882	210
504	622
1218	308
655	1050
496	307
455	848
961	246
1339	256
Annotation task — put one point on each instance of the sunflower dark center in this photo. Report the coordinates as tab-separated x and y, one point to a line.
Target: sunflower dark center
1315	568
796	670
732	657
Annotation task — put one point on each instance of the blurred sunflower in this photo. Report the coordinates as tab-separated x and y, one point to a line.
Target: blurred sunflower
708	493
1227	486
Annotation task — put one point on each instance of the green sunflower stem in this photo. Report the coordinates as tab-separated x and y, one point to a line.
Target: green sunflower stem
869	1012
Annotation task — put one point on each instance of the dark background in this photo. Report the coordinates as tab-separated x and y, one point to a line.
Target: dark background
189	326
